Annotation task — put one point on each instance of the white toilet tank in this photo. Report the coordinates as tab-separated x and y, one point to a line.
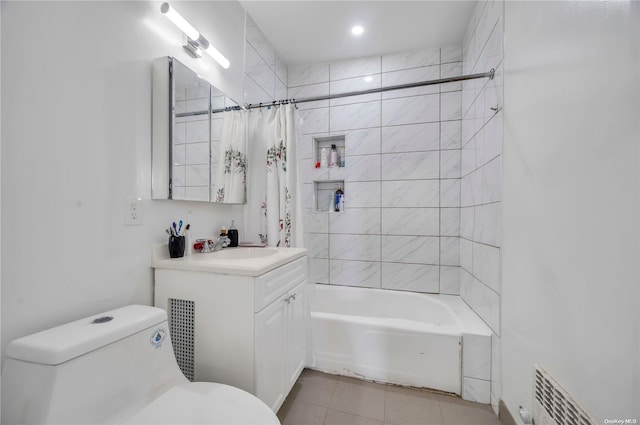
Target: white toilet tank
99	370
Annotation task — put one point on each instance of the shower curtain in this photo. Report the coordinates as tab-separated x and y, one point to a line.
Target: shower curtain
274	209
231	176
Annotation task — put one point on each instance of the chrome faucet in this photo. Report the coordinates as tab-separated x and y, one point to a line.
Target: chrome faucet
221	242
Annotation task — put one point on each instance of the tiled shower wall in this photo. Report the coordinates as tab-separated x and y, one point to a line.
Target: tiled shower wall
480	223
265	77
401	225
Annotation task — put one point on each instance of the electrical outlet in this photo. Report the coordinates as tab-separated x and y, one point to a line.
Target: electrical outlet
133	212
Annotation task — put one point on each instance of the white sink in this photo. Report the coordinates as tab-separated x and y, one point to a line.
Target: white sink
239	261
240	253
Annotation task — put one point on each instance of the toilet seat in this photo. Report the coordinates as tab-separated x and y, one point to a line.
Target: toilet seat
205	403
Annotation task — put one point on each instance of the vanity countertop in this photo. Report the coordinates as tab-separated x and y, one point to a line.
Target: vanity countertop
236	261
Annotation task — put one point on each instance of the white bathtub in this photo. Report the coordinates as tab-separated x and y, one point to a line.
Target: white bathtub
392	336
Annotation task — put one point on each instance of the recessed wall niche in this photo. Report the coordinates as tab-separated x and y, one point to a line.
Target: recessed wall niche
320	143
324	195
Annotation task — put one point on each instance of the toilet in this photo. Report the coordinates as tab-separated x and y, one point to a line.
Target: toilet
117	367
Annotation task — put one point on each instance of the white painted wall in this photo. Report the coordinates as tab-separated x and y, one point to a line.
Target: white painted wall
571	203
76	144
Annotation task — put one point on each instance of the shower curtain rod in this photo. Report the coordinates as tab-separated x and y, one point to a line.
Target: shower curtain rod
489	75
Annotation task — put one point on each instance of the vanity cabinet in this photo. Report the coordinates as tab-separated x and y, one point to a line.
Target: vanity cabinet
245	331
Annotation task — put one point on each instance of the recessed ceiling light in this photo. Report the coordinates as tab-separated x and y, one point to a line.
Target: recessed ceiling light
357	30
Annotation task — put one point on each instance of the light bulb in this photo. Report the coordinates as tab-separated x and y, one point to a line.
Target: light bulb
179	21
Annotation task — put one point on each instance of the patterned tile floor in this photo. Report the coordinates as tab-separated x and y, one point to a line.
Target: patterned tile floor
322	399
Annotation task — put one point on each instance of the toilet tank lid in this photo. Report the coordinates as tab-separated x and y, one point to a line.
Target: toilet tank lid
65	342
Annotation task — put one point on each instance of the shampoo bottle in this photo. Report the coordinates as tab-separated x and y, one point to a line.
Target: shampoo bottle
323	158
333	157
342	157
338	206
233	234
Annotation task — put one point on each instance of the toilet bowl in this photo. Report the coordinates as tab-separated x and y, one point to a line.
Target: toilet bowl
117	367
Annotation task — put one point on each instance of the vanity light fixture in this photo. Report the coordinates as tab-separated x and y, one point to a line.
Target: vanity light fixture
196	43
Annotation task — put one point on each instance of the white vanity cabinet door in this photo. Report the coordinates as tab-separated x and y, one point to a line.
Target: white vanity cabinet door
296	334
270	338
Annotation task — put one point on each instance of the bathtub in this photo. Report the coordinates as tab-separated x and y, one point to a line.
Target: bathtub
395	337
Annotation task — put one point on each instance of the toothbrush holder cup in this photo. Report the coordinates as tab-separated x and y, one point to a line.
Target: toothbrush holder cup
176	246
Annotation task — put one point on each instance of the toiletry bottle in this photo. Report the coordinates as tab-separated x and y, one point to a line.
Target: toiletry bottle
333	157
233	234
332	201
188	246
323	158
338	201
342	158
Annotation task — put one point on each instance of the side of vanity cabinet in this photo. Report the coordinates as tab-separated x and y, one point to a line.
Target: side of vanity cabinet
245	331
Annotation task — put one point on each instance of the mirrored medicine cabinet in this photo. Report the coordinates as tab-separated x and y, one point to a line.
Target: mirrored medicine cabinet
187	120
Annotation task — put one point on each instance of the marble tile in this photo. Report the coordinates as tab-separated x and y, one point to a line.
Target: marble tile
197	175
410	277
450	134
355	68
410	221
316	222
412	59
180	133
410	193
354	247
301	75
411	110
486	265
317	244
493	49
410	138
450	164
449	251
197	131
362	142
318	270
197	193
308	172
364	221
491	176
492	140
450	280
253	93
179	176
310	90
179	192
355	273
362	194
281	71
451	70
451	106
410	249
197	153
355	84
408	76
484	301
314	121
476	390
466	254
488	228
216	129
467	222
468	158
476	356
451	54
259	42
179	154
196	105
411	166
355	116
357	168
259	71
449	221
450	193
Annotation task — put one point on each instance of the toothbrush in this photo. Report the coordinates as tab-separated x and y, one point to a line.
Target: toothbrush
175	229
180	228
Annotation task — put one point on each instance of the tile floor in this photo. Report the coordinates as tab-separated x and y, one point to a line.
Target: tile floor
322	399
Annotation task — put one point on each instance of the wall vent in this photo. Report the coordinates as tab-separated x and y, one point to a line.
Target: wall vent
182	330
553	405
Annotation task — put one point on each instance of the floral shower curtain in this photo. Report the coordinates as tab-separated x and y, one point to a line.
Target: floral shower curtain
274	210
232	167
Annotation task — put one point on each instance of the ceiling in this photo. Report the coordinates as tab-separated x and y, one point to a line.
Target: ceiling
313	31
